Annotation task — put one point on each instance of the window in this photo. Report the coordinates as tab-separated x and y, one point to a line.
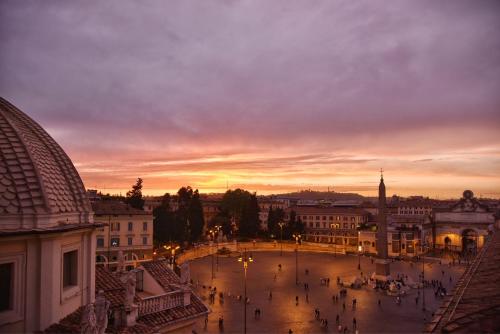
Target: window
70	268
346	225
115	226
324	217
6	286
317	225
317	217
115	242
144	226
144	240
130	226
100	242
129	241
330	218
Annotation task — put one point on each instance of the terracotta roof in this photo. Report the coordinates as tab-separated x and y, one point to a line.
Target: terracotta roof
161	272
114	291
116	208
180	313
36	175
475	303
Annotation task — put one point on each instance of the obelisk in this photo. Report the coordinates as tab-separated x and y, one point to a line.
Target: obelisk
382	263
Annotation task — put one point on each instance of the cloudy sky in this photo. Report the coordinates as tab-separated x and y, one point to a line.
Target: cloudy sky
267	95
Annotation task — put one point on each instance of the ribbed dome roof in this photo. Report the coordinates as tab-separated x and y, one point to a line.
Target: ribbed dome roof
39	186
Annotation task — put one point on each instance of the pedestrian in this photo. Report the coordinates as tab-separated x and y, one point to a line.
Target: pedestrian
416	301
379	303
337	320
206	321
270	295
296	300
354	323
343	306
221	322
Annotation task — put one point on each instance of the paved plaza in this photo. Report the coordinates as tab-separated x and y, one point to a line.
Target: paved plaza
281	313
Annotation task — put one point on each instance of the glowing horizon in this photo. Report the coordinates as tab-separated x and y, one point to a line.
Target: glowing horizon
271	97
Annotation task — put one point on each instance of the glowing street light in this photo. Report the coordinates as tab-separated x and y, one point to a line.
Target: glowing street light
246	260
172	249
217	230
297	238
281	224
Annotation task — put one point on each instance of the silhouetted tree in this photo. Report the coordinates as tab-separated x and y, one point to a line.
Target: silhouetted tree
134	196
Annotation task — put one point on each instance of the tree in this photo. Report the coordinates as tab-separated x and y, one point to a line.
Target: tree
195	216
164	227
250	223
134	196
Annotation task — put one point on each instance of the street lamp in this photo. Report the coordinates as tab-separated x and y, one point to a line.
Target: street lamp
172	249
281	224
217	230
423	269
245	259
297	238
359	257
212	233
359	250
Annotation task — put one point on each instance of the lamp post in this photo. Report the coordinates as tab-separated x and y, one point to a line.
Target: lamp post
359	251
297	238
217	230
246	260
423	270
281	224
359	257
212	233
172	249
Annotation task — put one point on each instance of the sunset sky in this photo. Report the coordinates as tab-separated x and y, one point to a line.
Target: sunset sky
272	96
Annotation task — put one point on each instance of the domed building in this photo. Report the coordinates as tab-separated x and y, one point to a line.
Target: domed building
47	238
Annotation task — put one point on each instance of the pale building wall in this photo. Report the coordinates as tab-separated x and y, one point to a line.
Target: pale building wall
39	296
138	251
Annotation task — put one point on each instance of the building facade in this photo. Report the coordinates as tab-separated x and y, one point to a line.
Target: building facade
335	225
463	226
126	229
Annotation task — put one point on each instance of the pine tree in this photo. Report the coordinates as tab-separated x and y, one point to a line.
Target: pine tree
134	196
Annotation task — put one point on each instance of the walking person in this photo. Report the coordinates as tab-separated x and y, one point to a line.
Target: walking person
354	323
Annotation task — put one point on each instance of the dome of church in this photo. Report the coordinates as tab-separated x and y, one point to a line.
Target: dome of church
39	186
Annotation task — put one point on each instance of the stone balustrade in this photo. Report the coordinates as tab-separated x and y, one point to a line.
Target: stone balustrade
161	302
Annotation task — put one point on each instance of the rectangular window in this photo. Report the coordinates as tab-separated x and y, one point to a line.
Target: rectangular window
100	242
144	240
115	226
6	286
115	242
130	241
130	226
70	268
144	226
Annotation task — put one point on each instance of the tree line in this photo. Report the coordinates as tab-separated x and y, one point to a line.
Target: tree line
179	217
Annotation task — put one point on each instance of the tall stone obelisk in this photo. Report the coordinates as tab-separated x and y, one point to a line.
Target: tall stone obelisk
382	263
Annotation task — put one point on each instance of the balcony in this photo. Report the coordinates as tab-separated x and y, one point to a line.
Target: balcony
159	303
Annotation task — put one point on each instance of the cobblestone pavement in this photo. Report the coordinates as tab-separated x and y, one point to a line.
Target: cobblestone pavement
281	312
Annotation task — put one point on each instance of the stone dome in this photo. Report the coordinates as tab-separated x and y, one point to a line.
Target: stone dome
39	186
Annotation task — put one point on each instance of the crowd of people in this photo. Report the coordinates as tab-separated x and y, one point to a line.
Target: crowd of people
339	297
